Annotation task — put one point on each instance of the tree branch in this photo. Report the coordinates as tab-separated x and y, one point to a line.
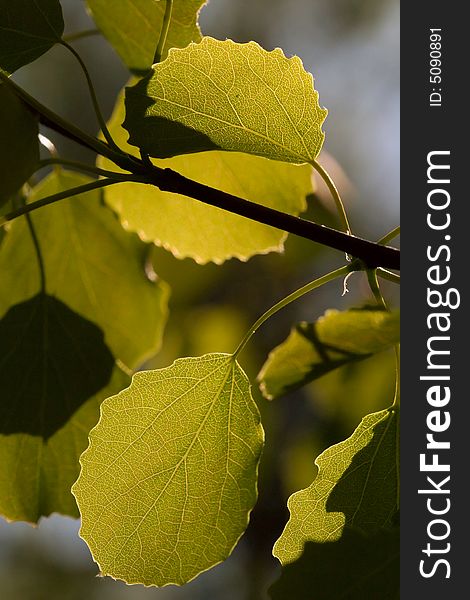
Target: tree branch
81	189
371	253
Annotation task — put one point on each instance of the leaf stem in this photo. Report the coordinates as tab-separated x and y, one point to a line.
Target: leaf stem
396	407
167	180
374	286
78	166
396	401
164	32
390	236
52	120
94	99
341	272
335	193
78	35
385	274
48	145
37	248
81	189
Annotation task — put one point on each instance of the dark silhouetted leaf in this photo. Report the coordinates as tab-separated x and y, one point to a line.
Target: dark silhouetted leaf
36	474
19	146
28	29
51	361
355	567
356	486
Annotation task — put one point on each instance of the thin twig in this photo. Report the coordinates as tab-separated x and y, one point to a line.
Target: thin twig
371	253
81	189
79	35
94	99
164	32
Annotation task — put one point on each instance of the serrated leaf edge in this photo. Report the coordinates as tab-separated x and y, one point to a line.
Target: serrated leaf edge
261	431
388	412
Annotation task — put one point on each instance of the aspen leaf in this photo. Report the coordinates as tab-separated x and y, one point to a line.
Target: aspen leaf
356	485
187	227
335	339
226	96
169	478
91	265
28	30
133	27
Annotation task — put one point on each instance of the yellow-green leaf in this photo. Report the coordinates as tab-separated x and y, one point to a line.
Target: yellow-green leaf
187	227
91	265
95	278
356	486
227	96
36	474
169	478
133	27
335	339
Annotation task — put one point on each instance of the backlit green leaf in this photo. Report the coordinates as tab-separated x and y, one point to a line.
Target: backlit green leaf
355	567
187	227
28	29
91	265
335	339
356	486
19	146
56	361
133	27
36	474
228	96
169	478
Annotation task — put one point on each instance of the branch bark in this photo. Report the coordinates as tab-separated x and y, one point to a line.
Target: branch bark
371	253
167	180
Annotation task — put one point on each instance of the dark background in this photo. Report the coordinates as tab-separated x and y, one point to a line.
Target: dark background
433	129
352	49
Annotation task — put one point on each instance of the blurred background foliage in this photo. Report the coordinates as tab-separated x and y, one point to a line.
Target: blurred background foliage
352	48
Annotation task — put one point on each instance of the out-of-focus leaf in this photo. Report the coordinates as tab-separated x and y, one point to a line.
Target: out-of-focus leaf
91	265
133	27
55	364
334	340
